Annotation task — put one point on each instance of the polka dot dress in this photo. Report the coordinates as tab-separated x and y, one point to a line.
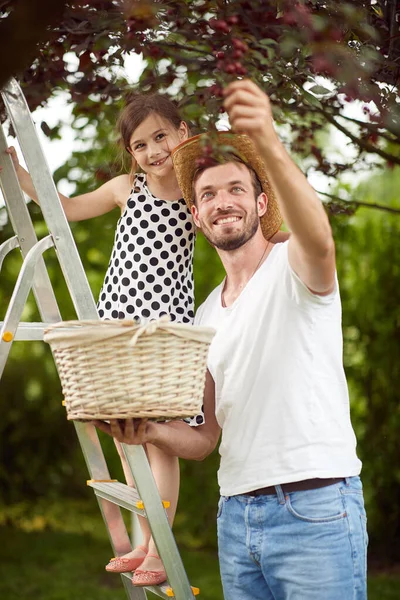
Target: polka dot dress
150	272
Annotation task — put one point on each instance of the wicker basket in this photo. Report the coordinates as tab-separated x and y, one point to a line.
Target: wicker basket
120	369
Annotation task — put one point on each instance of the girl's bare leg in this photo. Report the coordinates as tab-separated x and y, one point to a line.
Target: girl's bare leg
146	534
166	473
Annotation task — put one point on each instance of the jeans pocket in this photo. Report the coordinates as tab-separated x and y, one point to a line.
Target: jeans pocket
322	505
221	502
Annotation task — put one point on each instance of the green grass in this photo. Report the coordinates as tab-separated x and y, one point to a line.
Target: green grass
54	565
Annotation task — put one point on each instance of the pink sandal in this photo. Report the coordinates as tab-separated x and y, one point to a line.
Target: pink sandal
123	564
146	578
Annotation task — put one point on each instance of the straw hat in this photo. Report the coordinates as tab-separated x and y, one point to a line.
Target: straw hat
184	159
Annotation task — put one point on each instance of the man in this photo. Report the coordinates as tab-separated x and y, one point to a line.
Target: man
291	519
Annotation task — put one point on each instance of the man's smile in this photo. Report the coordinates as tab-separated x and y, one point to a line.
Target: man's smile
226	220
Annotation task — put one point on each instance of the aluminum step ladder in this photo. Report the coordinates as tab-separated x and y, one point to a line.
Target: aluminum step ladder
111	495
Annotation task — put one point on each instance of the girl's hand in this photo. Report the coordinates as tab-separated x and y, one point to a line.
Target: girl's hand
249	111
128	431
14	156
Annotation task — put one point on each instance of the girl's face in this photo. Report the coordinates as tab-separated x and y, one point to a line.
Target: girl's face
152	142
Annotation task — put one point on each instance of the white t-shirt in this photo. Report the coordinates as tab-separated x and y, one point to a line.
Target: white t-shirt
281	393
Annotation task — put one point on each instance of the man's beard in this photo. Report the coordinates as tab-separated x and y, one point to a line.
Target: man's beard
233	243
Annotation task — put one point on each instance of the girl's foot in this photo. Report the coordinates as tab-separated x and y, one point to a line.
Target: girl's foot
151	573
128	562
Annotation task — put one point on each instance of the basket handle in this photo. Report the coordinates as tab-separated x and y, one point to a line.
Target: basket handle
149	328
88	331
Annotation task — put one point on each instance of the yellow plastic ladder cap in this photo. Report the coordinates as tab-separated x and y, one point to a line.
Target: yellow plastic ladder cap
90	481
140	504
170	592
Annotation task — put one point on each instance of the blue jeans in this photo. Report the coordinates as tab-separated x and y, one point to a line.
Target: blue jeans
309	545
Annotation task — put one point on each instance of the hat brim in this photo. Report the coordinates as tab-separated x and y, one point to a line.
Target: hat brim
184	158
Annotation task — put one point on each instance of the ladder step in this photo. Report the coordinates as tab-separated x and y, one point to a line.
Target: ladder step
121	494
164	590
118	493
27	332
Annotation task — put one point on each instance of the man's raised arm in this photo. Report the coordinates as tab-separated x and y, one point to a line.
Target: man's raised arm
311	245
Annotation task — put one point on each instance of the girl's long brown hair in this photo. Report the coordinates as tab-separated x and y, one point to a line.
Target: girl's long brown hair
137	108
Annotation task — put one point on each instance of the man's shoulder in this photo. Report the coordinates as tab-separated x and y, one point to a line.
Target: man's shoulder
208	306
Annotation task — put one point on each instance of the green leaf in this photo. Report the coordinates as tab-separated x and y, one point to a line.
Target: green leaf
311	99
319	90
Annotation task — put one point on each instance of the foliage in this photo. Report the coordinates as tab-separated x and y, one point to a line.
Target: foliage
287	45
311	57
368	249
22	25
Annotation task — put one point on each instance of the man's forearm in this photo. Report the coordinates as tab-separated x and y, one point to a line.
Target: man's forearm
301	208
177	438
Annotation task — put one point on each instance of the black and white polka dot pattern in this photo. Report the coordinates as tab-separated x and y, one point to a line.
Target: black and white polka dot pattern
150	272
151	267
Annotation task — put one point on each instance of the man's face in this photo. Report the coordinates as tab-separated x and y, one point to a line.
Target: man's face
226	209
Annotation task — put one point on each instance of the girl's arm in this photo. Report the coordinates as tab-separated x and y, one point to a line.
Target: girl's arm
85	206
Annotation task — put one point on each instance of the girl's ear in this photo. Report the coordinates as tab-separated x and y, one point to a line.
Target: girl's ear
133	169
183	131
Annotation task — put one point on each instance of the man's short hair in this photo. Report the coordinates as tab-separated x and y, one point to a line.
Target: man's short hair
213	162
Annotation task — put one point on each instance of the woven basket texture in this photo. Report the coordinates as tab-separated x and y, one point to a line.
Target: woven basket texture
120	370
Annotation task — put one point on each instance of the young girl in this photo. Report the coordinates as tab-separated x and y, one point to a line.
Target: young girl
150	271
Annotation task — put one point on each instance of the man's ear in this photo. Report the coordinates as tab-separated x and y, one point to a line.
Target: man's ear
195	215
262	204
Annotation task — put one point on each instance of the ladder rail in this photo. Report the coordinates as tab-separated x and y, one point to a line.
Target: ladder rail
160	528
49	201
19	297
6	247
21	222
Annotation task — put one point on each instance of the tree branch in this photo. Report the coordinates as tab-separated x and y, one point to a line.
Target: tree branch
358	203
371	127
363	144
20	33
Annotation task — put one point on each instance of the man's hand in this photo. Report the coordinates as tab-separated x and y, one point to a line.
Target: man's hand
128	431
249	112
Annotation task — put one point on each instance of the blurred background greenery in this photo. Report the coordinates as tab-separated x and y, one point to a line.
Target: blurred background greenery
52	539
50	525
